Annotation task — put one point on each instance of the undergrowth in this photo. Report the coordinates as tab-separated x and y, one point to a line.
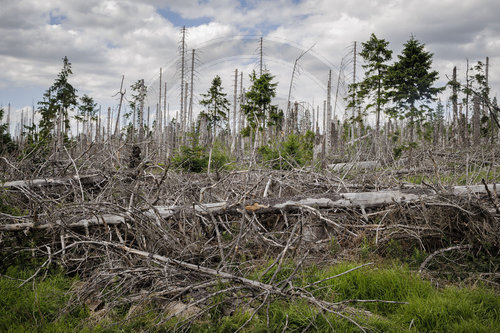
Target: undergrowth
294	151
41	305
195	157
37	305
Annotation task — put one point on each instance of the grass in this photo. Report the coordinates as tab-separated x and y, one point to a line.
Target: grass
38	305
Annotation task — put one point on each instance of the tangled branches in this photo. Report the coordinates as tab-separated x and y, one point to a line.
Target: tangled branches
148	236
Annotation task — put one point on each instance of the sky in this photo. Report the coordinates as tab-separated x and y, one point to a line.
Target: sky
106	39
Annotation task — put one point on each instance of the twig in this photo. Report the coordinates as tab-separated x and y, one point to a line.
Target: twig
451	248
336	276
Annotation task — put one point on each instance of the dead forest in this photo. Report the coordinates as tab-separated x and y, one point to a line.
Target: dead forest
173	210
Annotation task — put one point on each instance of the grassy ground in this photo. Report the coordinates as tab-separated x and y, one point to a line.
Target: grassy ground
41	305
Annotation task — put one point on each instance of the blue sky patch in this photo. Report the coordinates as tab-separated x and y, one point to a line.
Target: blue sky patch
177	20
56	19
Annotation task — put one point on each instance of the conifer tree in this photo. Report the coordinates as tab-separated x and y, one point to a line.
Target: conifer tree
6	143
411	81
87	112
216	105
258	108
58	98
375	54
87	108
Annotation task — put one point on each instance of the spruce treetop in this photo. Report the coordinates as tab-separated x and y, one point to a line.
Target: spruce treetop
411	79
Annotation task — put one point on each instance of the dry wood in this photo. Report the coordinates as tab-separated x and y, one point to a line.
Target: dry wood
366	165
361	200
441	251
182	234
336	308
84	179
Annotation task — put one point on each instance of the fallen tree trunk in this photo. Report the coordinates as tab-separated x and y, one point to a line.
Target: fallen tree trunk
360	200
363	165
86	179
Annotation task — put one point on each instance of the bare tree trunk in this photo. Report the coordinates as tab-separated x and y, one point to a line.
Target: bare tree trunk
466	123
183	51
454	97
329	113
99	125
476	121
185	120
491	122
165	124
354	93
122	93
190	116
140	111
241	119
108	130
324	118
316	130
159	121
235	98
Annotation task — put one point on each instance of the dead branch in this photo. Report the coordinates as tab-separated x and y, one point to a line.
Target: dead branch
441	251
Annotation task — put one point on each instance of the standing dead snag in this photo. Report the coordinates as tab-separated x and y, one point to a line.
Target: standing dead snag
122	93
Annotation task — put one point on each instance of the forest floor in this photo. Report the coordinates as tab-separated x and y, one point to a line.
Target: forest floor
354	247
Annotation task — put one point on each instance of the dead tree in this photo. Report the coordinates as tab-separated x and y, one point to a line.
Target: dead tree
190	115
122	93
476	121
329	114
182	50
235	99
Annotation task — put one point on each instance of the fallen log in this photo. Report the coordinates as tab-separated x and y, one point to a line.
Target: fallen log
86	179
361	200
363	165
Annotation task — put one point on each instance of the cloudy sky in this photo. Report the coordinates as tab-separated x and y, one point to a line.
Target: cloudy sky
106	39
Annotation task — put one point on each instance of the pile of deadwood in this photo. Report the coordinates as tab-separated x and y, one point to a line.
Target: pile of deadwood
154	236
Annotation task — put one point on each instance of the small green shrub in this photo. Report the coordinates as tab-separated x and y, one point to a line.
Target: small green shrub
191	158
195	157
295	151
400	149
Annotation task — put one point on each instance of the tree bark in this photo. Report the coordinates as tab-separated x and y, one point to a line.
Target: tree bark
361	200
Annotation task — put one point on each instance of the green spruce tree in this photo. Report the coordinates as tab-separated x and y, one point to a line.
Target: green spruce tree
411	81
373	87
6	144
216	106
87	108
216	110
57	100
258	109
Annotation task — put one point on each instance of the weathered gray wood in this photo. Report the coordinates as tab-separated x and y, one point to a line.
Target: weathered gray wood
95	178
360	200
365	165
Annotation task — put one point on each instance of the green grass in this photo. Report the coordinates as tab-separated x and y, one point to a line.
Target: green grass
37	305
451	309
